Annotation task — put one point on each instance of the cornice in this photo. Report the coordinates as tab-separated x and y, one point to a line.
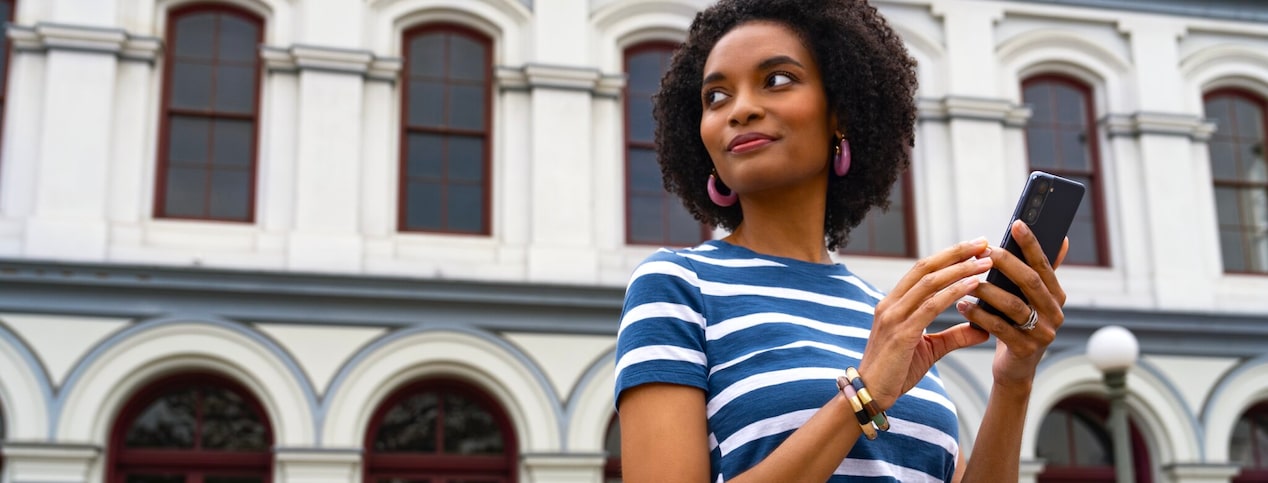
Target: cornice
973	108
1158	123
301	57
43	37
560	77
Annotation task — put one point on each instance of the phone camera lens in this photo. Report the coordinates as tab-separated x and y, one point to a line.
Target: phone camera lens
1035	201
1043	186
1031	214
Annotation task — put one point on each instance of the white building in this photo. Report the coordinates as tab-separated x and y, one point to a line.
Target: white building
253	240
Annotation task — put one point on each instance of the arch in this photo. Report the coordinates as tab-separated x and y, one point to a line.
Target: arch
1222	66
969	397
620	24
930	59
25	389
149	17
1171	431
503	21
591	405
1239	389
1059	51
103	380
478	358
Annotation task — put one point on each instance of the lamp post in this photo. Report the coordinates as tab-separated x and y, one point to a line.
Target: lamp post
1114	350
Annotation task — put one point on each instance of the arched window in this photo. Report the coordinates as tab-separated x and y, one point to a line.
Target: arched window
207	134
1240	174
7	10
1061	139
612	446
440	431
1077	446
191	428
1249	445
446	114
887	233
653	216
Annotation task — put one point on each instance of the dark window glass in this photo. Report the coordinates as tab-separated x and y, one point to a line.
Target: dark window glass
886	233
1061	139
1076	444
445	152
1248	447
612	445
439	431
191	428
208	135
6	15
1240	175
653	216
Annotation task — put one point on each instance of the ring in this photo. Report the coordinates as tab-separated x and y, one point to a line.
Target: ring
1030	321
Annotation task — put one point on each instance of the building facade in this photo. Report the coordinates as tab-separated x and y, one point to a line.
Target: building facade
387	240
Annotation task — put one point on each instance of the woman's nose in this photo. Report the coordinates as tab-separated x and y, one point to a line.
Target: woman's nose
745	109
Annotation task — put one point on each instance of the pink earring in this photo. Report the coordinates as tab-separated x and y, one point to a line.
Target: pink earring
841	162
719	198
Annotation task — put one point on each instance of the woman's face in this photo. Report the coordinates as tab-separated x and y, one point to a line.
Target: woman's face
765	120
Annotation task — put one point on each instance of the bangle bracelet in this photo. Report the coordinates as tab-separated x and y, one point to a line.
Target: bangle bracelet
873	410
860	414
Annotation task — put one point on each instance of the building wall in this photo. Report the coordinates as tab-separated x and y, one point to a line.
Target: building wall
103	297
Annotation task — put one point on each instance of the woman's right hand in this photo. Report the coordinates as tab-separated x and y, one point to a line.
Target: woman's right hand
899	353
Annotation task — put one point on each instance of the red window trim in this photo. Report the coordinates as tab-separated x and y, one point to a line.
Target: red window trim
121	460
383	464
909	224
1259	472
486	213
166	111
612	464
1096	174
1262	103
705	231
4	88
1092	474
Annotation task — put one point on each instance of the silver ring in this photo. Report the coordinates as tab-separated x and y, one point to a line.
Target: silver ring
1030	321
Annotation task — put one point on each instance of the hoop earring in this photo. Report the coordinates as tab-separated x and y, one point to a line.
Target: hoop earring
841	156
717	197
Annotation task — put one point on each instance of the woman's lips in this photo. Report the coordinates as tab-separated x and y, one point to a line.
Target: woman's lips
748	142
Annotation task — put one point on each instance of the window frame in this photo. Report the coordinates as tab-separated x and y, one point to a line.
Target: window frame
1092	474
416	463
120	460
4	79
402	182
909	224
166	112
1258	473
627	144
611	464
1096	173
1262	103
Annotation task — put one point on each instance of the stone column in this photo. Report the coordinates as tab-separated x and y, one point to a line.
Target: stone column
1201	472
563	468
1029	471
305	465
49	462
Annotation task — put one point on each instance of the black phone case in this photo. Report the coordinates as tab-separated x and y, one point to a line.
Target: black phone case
1049	227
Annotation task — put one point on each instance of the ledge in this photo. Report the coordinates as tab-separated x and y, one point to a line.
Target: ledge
1158	123
973	108
302	57
568	78
43	37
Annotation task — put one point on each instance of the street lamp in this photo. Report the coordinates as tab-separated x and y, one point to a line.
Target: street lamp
1113	350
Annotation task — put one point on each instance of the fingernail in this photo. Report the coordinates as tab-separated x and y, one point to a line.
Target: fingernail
985	262
962	306
987	252
971	281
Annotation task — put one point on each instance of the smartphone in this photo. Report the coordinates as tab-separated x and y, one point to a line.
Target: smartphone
1047	205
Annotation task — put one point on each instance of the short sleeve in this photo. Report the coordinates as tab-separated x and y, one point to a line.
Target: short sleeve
661	338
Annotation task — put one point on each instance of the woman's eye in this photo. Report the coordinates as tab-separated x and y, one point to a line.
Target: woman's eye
778	79
714	97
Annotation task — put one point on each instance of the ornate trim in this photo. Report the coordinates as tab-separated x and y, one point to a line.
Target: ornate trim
44	36
1158	123
951	108
300	57
559	77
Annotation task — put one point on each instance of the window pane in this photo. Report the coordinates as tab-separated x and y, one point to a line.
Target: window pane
1070	105
1240	449
194	34
469	428
465	210
1041	147
1253	166
1258	230
422	206
154	479
861	236
425	155
191	86
466	106
1218	110
238	39
233	143
1074	150
426	103
229	423
1037	96
1231	247
235	89
1223	160
1261	437
1082	243
641	124
410	425
186	192
466	58
466	158
612	442
1226	207
187	142
644	71
427	55
1091	441
644	172
1053	445
168	422
230	194
889	232
646	224
1250	119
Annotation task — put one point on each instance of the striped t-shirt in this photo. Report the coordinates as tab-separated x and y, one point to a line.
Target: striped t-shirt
765	338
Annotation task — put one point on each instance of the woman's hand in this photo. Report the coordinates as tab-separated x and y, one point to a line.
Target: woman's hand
1018	351
898	352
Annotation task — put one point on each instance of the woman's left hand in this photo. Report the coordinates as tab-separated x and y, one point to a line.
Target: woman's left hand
1018	351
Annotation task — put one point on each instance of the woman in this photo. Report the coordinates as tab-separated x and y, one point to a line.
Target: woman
785	121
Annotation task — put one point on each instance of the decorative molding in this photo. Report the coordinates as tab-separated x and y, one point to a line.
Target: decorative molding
300	57
1201	471
1158	123
46	36
1250	11
973	108
559	77
319	455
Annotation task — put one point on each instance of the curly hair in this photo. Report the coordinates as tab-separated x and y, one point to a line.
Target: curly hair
869	81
